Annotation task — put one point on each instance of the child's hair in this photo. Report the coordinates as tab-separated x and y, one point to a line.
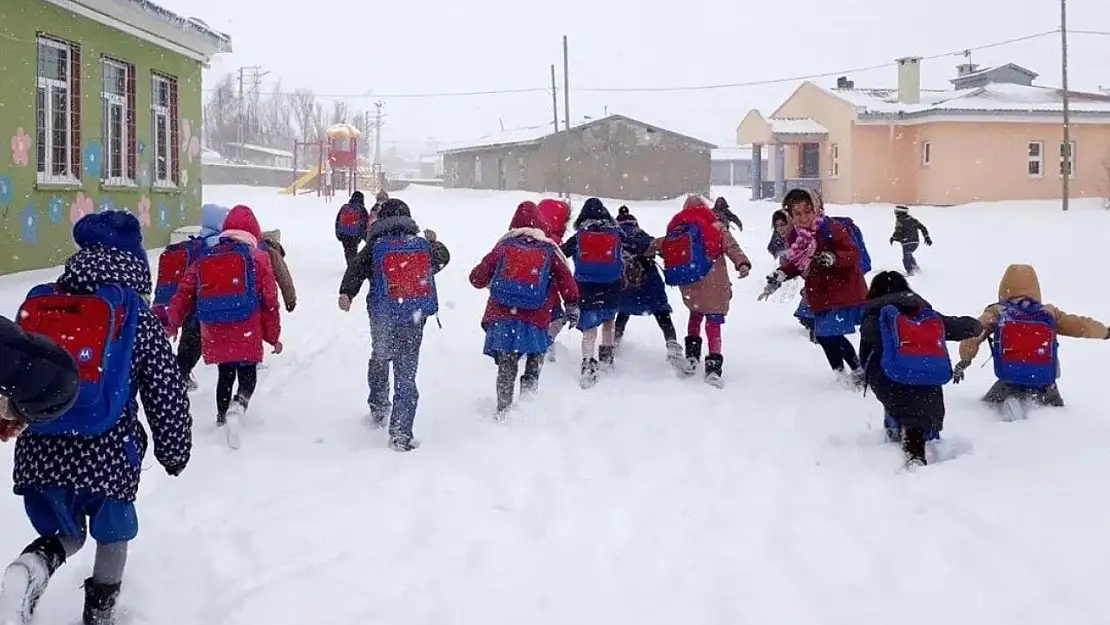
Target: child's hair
780	216
887	282
797	196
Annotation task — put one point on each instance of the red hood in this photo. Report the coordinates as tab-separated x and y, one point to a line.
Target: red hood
527	215
555	214
696	211
242	218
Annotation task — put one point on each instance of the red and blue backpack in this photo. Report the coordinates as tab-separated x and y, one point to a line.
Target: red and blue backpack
598	259
403	285
172	263
685	257
914	351
99	331
857	238
348	223
1024	345
522	278
227	283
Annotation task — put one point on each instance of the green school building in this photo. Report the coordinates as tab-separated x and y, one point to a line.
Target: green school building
100	108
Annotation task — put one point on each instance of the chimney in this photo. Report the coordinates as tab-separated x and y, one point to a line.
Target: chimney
909	79
964	69
844	83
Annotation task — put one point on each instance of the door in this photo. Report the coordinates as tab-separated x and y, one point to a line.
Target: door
809	165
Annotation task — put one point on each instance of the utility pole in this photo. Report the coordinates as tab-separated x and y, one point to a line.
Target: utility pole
378	132
255	72
1065	149
239	121
555	112
566	111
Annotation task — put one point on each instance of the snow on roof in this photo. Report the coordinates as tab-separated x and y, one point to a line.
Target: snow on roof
190	25
262	149
732	153
523	136
992	98
796	126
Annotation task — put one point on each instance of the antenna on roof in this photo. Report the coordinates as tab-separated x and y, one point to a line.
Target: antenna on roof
502	122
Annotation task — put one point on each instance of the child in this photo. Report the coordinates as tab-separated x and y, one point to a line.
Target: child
906	229
645	294
79	474
351	223
599	270
781	229
526	274
725	214
906	362
401	268
556	217
824	251
1022	332
232	290
694	253
271	243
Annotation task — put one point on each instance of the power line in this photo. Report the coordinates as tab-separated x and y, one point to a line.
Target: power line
1100	33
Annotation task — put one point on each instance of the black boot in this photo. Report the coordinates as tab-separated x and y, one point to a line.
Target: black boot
714	364
589	373
100	603
606	355
530	380
913	445
693	354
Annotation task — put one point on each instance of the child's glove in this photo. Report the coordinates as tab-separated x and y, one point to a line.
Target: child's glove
344	303
825	259
776	277
743	270
174	470
958	371
573	315
928	241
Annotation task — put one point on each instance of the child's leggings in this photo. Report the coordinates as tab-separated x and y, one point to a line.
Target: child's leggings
608	338
663	320
229	372
839	352
712	330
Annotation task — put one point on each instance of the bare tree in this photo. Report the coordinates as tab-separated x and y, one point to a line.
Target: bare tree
277	119
221	114
306	112
340	112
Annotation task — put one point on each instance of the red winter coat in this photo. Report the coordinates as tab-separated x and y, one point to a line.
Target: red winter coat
556	216
839	286
240	341
528	224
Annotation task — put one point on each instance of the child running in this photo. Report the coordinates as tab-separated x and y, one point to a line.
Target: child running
556	218
694	253
908	232
645	293
526	274
351	223
79	474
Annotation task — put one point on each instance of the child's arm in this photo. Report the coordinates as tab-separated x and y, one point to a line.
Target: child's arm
482	274
570	246
733	251
268	296
1077	326
358	271
923	230
184	298
969	348
162	390
283	276
961	328
565	283
440	256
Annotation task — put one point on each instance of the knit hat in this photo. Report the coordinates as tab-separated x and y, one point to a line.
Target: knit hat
357	199
394	208
902	209
115	229
381	197
625	216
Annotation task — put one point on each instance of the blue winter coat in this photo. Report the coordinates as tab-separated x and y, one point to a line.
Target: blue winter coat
110	464
594	296
651	296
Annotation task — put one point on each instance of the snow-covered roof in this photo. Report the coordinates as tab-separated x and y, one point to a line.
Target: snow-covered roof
262	149
732	153
208	155
992	99
152	22
796	126
516	136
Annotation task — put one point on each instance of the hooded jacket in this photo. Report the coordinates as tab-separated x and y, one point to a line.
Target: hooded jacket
240	341
556	215
594	296
39	376
358	202
527	224
912	406
839	286
284	277
1021	282
110	464
907	229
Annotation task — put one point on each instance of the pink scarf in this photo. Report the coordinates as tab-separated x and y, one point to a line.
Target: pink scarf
801	251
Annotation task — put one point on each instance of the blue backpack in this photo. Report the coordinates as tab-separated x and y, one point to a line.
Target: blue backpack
598	258
914	351
227	283
98	330
348	222
522	278
857	238
685	260
172	263
403	285
1024	345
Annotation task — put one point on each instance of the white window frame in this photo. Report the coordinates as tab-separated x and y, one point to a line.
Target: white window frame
108	101
1039	159
834	160
47	177
1074	151
165	112
926	154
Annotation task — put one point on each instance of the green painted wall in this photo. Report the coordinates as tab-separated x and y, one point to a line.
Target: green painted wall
36	222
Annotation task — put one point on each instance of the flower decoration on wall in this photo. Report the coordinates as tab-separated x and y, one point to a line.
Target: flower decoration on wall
93	158
184	177
163	215
6	191
190	143
29	223
82	205
107	204
21	147
182	215
144	211
56	208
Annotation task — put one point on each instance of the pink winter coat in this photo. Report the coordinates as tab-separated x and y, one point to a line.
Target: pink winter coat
240	341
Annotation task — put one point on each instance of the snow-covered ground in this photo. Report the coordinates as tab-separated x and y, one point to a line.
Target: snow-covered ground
645	500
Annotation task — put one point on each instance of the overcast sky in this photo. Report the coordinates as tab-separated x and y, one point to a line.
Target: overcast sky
350	47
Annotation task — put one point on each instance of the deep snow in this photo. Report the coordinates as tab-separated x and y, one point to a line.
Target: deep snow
645	500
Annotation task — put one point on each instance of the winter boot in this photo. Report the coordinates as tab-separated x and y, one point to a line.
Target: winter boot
379	415
530	380
401	444
913	445
589	374
191	383
26	578
100	603
675	357
233	420
606	355
693	355
714	364
1013	409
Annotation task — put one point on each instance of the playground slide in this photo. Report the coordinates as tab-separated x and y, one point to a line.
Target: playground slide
302	182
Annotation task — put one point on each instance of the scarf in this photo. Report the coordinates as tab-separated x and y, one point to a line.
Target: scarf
801	251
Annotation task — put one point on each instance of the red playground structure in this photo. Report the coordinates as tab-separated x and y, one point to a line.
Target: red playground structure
336	162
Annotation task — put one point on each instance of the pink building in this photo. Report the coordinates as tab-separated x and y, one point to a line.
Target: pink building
994	136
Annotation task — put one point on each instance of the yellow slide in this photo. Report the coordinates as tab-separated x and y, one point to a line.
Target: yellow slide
302	182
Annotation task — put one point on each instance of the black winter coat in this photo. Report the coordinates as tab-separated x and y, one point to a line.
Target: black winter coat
363	221
38	376
361	267
907	229
912	406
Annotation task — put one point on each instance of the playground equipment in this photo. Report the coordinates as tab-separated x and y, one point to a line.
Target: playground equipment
337	156
315	152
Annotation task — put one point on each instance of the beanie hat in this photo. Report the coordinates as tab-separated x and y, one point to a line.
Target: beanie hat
624	216
115	229
394	208
357	199
902	209
381	197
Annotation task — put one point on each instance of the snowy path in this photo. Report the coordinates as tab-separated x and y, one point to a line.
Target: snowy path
645	500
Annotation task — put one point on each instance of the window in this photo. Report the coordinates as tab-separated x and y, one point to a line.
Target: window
118	122
834	159
163	96
58	112
1064	153
1036	159
926	154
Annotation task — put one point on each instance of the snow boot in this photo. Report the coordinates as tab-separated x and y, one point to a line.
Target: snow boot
589	372
1013	409
26	578
693	355
714	365
675	357
379	415
401	444
191	384
606	355
913	445
233	420
100	603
